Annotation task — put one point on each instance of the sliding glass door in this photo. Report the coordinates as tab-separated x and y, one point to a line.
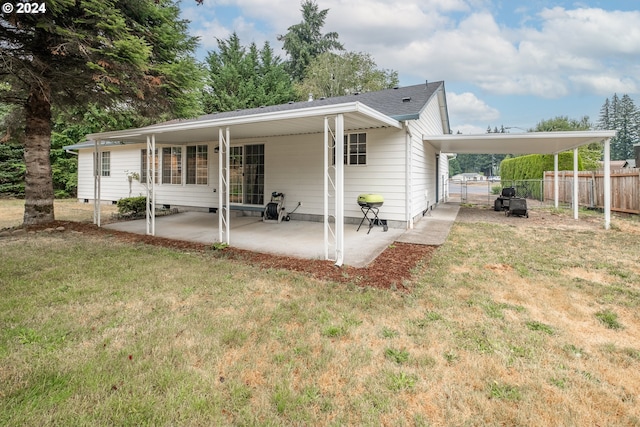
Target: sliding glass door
246	174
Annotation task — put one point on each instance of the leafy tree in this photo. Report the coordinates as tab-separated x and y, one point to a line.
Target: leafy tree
239	78
112	52
622	115
305	41
562	123
331	74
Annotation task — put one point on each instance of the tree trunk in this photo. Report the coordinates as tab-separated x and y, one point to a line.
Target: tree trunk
38	204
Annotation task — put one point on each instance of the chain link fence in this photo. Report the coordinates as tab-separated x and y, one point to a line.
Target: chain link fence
538	192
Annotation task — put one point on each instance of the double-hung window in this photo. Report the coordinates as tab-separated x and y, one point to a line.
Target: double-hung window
105	163
197	165
172	165
143	166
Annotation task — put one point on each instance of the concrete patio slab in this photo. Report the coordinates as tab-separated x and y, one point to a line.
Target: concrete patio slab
302	239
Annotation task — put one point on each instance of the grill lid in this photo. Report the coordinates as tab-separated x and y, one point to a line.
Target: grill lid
370	199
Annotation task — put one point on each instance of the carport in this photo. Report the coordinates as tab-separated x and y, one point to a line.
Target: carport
535	143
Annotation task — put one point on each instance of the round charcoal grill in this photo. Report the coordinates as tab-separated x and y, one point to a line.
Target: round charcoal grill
369	205
370	200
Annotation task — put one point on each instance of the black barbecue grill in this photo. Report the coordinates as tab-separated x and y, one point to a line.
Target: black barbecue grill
512	205
502	202
370	206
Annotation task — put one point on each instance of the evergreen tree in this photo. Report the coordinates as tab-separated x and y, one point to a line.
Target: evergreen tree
239	78
622	115
112	52
305	41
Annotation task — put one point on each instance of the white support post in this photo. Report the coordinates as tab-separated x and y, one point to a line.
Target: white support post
575	184
325	179
151	188
97	172
331	160
339	189
408	178
607	183
556	188
223	184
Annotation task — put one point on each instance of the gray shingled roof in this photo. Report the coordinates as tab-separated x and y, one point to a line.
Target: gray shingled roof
401	103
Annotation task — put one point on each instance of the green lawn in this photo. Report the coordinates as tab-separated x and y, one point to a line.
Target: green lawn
504	326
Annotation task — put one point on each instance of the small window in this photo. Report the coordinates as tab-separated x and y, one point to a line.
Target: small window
105	163
172	165
355	149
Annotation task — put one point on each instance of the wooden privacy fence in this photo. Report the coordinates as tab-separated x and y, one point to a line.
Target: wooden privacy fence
625	189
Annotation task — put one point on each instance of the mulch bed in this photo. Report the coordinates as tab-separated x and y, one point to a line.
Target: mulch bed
393	269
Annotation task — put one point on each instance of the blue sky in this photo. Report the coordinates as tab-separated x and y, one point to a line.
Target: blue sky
504	62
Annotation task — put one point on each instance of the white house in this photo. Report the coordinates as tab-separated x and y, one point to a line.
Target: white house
392	143
235	160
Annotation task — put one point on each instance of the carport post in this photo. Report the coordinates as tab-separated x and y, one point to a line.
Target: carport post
607	183
556	189
575	183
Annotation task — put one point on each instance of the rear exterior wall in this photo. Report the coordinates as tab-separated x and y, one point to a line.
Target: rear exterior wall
293	165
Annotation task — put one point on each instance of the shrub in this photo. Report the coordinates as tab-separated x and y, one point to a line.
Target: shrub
132	205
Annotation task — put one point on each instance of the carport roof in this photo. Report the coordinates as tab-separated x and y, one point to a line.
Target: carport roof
516	143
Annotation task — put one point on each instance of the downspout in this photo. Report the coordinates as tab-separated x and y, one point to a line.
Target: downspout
408	177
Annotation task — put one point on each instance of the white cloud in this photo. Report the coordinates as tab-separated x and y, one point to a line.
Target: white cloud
493	47
605	84
466	106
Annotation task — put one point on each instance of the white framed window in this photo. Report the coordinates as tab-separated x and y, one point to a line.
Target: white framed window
105	163
143	166
172	165
355	149
197	165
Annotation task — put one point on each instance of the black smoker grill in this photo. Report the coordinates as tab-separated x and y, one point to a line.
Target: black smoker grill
517	207
370	205
512	205
502	202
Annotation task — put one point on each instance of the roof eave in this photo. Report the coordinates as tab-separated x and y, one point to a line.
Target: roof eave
324	110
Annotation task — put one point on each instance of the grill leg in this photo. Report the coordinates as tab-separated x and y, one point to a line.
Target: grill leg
365	212
375	218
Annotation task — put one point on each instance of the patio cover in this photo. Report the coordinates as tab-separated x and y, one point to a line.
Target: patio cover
534	143
289	119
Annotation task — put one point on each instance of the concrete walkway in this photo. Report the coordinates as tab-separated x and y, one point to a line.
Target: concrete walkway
302	239
434	227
